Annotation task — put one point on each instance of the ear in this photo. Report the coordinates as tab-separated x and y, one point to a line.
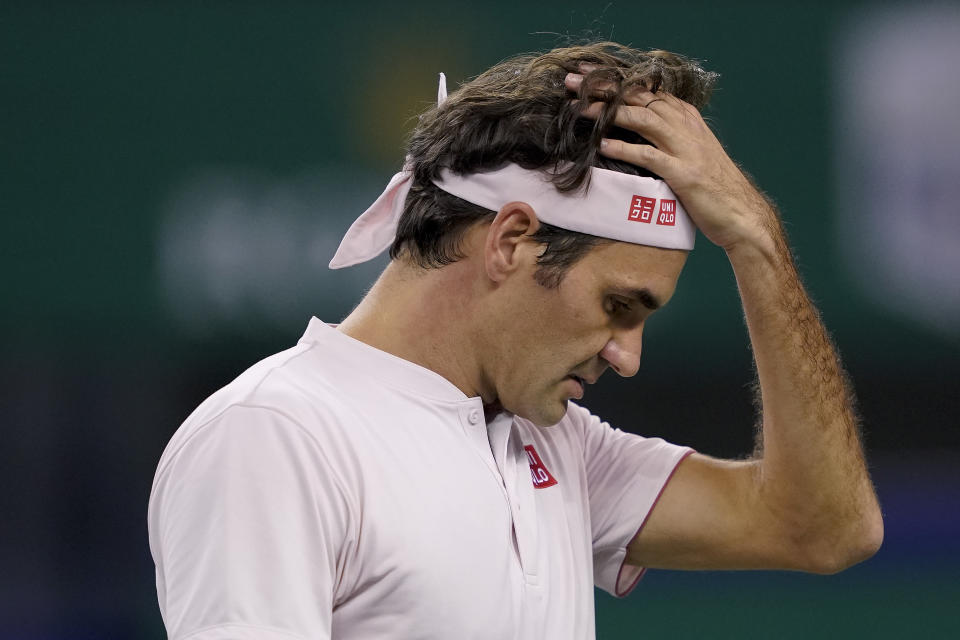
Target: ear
508	245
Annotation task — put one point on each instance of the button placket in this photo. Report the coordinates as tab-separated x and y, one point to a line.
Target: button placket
522	494
511	459
475	428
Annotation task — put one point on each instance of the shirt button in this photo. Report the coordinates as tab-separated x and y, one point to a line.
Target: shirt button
474	417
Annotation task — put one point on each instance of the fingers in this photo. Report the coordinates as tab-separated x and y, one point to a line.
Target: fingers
646	122
666	122
670	108
676	111
660	117
642	155
602	90
573	81
606	89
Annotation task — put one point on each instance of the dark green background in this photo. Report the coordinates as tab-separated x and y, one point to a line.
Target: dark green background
108	109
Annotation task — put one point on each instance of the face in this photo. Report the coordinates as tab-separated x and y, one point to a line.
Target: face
551	342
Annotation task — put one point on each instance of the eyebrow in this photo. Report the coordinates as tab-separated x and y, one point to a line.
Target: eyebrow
643	296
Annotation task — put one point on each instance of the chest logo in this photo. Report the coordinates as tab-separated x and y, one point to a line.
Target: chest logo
541	477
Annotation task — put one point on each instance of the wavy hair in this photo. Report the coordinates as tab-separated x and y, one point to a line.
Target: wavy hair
519	111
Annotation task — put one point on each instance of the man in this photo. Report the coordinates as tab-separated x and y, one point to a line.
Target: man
420	470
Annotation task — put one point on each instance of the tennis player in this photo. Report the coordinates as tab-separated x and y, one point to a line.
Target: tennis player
422	470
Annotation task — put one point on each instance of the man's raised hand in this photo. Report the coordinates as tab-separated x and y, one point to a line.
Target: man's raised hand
720	199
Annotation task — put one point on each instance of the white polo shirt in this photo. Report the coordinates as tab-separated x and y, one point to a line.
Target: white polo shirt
336	491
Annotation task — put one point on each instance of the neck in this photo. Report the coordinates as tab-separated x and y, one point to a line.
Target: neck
428	317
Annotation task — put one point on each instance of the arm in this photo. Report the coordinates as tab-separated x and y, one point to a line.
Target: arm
805	501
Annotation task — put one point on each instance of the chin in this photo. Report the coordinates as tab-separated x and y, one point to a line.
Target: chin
545	416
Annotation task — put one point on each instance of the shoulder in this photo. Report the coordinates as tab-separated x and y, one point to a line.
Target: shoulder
575	429
287	395
579	418
299	383
602	443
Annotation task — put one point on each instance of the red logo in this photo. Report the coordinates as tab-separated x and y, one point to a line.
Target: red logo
641	209
541	477
668	212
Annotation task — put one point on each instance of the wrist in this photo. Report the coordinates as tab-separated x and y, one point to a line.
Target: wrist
762	237
763	252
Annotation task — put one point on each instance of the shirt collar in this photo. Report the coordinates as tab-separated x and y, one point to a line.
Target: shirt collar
382	366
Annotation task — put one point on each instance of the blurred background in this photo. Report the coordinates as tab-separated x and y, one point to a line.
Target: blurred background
175	176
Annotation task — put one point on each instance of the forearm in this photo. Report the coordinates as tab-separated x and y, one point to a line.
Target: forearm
811	469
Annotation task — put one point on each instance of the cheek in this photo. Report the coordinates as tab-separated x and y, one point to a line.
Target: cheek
579	335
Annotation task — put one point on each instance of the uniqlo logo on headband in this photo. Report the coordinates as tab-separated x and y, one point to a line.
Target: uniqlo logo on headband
541	477
641	209
668	212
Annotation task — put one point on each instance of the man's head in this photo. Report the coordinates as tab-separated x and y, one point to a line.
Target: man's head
538	346
520	112
553	308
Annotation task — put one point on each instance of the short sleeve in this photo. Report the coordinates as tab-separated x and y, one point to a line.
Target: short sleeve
626	474
247	524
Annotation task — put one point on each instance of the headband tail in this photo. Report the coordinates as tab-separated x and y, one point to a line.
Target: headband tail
442	89
376	228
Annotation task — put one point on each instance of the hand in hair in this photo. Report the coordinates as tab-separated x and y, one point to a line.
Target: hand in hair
720	198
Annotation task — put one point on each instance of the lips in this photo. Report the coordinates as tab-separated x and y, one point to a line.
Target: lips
581	385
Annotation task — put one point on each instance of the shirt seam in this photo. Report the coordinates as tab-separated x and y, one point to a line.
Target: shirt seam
274	368
622	547
161	473
656	500
246	397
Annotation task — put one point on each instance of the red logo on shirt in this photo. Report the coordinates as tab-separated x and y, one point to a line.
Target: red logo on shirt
541	477
668	212
641	209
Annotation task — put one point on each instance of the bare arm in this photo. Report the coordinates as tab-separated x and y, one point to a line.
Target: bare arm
805	501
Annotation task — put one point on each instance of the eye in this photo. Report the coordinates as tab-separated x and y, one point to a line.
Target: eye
618	306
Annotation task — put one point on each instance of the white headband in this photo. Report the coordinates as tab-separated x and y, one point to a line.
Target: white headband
615	205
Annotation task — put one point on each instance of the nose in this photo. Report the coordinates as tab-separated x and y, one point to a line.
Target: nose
623	355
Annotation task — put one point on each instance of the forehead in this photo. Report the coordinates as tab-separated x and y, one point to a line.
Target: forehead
625	256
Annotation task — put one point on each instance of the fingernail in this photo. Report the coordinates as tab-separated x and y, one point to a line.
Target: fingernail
604	143
574	79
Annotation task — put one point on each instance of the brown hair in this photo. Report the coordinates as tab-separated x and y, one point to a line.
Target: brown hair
519	111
